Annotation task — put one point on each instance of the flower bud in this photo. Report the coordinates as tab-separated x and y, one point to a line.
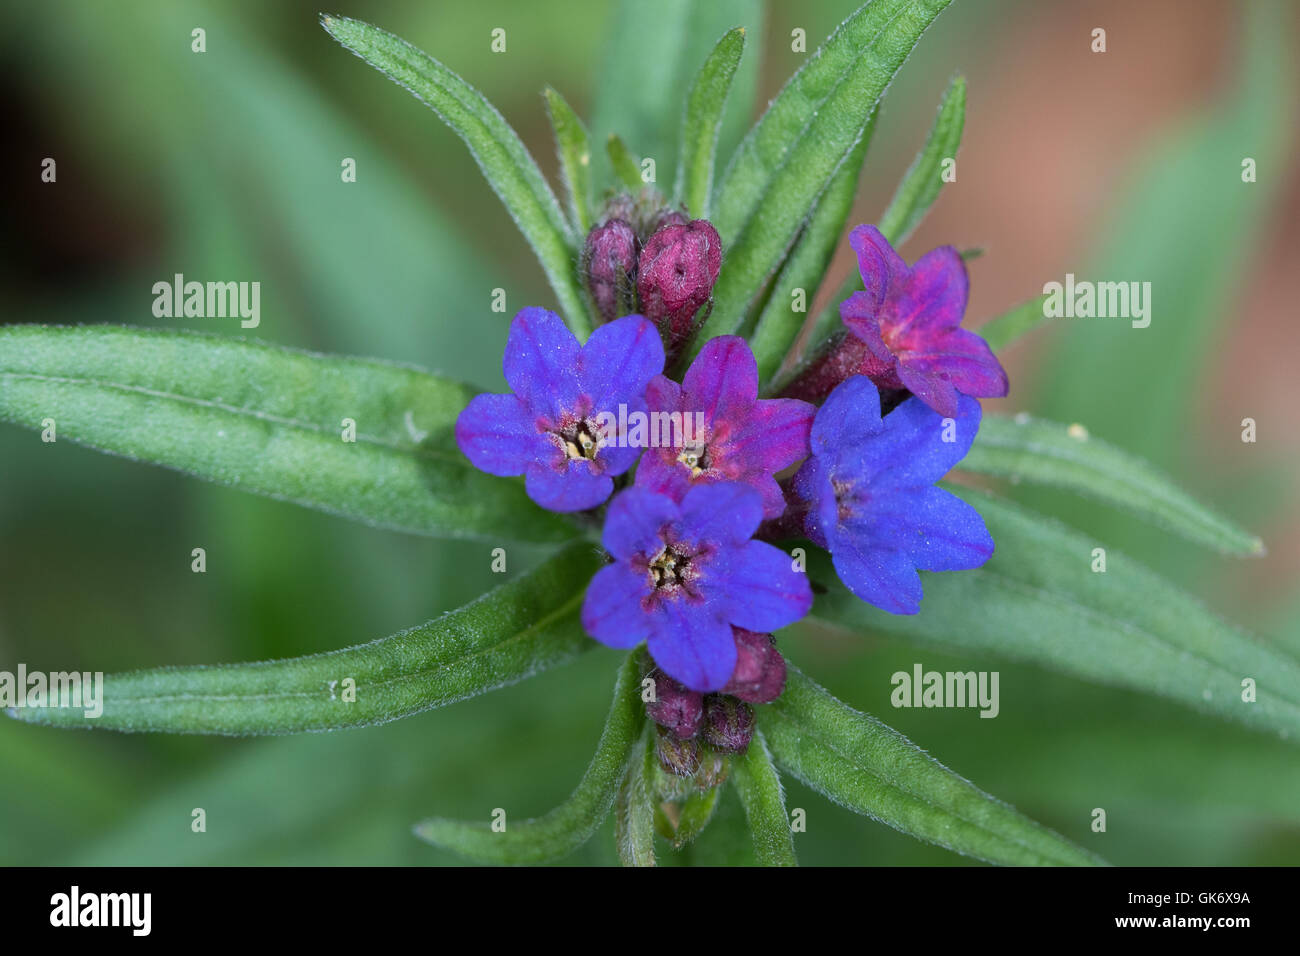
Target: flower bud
759	676
675	276
713	770
610	264
676	708
678	757
728	723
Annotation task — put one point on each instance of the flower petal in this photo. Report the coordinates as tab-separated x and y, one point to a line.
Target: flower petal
812	485
880	576
575	487
541	362
765	592
773	436
931	303
724	513
850	417
498	435
937	530
619	360
911	451
611	610
882	268
634	521
693	644
961	357
722	380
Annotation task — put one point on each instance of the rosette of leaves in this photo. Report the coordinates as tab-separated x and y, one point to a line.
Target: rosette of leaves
264	419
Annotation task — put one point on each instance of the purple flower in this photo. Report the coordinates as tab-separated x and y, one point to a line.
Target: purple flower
684	573
741	437
871	500
906	330
550	429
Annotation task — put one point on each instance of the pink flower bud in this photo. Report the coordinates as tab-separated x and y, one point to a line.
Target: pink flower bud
759	676
675	275
679	757
728	724
610	265
676	708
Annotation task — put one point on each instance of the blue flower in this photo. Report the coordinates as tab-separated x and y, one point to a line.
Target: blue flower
550	428
683	574
870	497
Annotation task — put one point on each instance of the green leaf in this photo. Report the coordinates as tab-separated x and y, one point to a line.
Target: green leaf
760	792
651	57
626	166
779	324
705	104
269	420
1047	453
924	178
573	146
858	762
512	632
500	154
572	823
1008	327
695	813
1038	600
634	811
794	151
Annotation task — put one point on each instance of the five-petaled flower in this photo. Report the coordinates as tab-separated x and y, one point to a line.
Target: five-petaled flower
746	439
870	497
549	429
684	573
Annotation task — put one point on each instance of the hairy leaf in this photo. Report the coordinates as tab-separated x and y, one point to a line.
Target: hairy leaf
510	633
702	120
760	791
270	421
1038	600
1068	457
510	170
859	763
1011	325
923	180
626	166
572	823
573	146
634	811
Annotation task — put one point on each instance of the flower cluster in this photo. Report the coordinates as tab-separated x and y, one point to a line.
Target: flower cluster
847	457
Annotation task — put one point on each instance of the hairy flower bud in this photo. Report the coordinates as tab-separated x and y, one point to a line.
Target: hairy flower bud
728	723
676	708
679	757
712	771
610	264
759	676
675	276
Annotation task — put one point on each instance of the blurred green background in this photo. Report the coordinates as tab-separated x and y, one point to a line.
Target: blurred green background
225	165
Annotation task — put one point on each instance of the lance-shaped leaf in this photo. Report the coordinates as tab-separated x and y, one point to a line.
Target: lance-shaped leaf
626	166
573	146
760	792
510	170
924	178
1034	450
572	823
271	421
634	810
693	816
1011	325
650	57
794	151
1043	599
860	763
510	633
701	121
795	286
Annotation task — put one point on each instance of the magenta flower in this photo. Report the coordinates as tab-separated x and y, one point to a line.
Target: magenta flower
870	497
550	430
905	331
683	574
741	437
